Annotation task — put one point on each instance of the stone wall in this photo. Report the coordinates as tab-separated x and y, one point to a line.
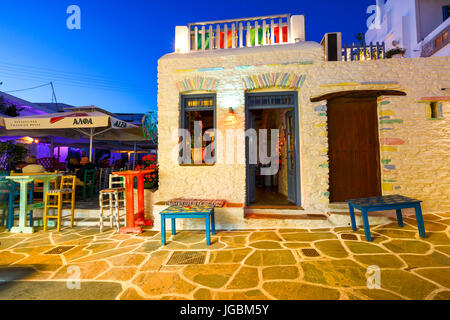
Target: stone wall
414	150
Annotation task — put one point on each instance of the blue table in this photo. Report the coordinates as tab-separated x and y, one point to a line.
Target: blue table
393	202
184	212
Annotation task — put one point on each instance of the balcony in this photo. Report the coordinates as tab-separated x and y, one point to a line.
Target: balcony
369	51
240	33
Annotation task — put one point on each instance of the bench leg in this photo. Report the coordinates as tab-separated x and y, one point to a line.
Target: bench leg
208	231
366	225
352	217
174	231
213	223
163	231
400	218
419	219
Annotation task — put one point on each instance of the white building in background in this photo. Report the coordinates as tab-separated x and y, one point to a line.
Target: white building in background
419	26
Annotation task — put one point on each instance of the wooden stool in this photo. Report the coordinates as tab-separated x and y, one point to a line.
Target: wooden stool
111	203
57	198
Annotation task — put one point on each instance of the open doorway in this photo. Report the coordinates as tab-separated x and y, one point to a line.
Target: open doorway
267	112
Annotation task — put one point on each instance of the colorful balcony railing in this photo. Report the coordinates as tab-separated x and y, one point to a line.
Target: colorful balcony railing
239	33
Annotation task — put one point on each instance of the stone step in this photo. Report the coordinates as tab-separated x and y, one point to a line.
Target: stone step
281	216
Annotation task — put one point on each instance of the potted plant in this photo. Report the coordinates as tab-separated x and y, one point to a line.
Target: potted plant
151	180
395	53
10	154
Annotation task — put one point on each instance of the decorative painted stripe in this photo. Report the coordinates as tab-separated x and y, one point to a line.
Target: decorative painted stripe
388	187
385	117
386	161
326	194
324	134
387	113
435	99
383	103
323	114
210	69
306	62
390	167
379	82
384	148
340	84
324	165
321	108
389	181
386	129
267	80
322	125
197	83
243	67
184	70
391	121
392	141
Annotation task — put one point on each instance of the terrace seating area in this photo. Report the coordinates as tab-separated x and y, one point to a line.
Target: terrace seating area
298	264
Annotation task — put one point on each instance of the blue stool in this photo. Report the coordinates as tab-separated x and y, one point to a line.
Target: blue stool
394	202
183	212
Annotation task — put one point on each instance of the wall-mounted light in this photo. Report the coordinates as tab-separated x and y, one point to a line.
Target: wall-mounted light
231	118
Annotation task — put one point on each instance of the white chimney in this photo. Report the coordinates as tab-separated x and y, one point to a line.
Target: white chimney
298	28
181	39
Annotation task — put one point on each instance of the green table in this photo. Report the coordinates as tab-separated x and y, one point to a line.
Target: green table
23	181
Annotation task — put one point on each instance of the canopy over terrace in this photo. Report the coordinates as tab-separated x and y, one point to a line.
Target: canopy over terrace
91	121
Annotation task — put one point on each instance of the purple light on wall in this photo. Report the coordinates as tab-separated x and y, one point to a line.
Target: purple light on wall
63	153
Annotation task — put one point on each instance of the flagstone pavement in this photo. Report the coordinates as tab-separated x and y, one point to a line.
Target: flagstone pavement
245	265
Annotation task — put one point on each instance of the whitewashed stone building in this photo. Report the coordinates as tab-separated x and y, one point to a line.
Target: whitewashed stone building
347	129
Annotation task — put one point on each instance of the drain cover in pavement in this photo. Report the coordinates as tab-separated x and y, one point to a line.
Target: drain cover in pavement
347	236
187	257
310	252
59	250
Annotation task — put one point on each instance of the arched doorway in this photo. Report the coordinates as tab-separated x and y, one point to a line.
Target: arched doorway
353	139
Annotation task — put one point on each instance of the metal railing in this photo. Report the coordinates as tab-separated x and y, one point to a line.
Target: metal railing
239	33
364	52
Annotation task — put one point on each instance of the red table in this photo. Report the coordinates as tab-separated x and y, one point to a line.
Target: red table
135	221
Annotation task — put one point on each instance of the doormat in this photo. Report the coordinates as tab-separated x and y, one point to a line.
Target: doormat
187	257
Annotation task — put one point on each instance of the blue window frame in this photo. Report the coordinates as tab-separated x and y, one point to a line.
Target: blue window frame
198	109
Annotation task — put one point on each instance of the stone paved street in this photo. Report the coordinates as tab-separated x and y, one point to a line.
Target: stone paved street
256	264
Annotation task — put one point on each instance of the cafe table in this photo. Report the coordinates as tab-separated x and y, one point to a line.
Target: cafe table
135	221
23	181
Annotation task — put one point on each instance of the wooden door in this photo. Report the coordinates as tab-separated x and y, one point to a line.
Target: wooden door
353	148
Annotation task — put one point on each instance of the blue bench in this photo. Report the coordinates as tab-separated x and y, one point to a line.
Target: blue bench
185	212
393	202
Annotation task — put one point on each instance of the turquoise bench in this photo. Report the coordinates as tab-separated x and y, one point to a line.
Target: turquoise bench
188	212
393	202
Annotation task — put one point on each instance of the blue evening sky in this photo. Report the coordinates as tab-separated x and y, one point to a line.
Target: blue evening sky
112	61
